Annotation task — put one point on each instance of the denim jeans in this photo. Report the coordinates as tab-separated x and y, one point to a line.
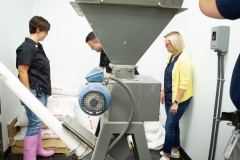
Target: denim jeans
172	137
34	123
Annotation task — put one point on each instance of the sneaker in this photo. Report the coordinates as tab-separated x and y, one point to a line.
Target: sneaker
163	158
173	154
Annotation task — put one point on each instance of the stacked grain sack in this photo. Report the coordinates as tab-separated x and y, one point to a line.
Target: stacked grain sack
68	93
63	102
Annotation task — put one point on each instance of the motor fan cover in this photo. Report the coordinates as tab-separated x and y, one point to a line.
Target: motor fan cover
94	99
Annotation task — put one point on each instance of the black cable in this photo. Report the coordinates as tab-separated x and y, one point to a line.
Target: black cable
131	114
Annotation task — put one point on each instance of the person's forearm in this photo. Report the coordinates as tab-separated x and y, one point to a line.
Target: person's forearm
162	91
209	8
180	94
24	79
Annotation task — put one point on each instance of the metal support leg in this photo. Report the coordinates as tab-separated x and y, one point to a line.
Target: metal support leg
103	141
140	143
109	131
109	128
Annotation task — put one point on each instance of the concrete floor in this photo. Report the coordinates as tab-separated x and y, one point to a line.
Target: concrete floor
154	156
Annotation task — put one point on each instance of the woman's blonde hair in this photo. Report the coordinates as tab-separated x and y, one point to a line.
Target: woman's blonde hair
176	40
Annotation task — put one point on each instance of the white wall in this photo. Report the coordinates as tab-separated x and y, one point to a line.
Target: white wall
69	30
71	59
205	79
14	17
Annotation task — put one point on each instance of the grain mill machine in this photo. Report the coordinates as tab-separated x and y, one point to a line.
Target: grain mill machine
126	29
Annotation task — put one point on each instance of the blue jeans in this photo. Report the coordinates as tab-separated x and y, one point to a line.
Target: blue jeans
172	137
34	123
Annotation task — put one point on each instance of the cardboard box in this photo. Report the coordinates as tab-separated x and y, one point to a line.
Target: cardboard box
49	144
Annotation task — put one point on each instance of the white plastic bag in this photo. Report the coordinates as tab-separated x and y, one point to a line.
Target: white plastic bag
155	134
22	119
19	136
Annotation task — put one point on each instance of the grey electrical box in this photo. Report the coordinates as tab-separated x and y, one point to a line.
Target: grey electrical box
220	38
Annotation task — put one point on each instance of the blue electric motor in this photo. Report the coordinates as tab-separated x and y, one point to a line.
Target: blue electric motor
94	99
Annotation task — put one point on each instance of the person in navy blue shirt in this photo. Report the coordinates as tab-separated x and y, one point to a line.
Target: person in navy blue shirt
226	9
220	9
235	85
94	43
34	73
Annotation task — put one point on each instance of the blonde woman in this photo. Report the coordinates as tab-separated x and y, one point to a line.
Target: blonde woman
176	93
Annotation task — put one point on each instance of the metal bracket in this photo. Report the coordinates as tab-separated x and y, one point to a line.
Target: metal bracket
73	151
216	119
233	117
219	79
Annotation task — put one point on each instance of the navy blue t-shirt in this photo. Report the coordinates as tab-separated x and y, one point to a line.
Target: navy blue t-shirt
235	85
32	54
229	9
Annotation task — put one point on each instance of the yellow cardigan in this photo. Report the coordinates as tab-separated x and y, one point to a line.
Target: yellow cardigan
182	77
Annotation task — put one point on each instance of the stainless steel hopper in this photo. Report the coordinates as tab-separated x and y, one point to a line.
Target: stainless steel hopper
127	28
